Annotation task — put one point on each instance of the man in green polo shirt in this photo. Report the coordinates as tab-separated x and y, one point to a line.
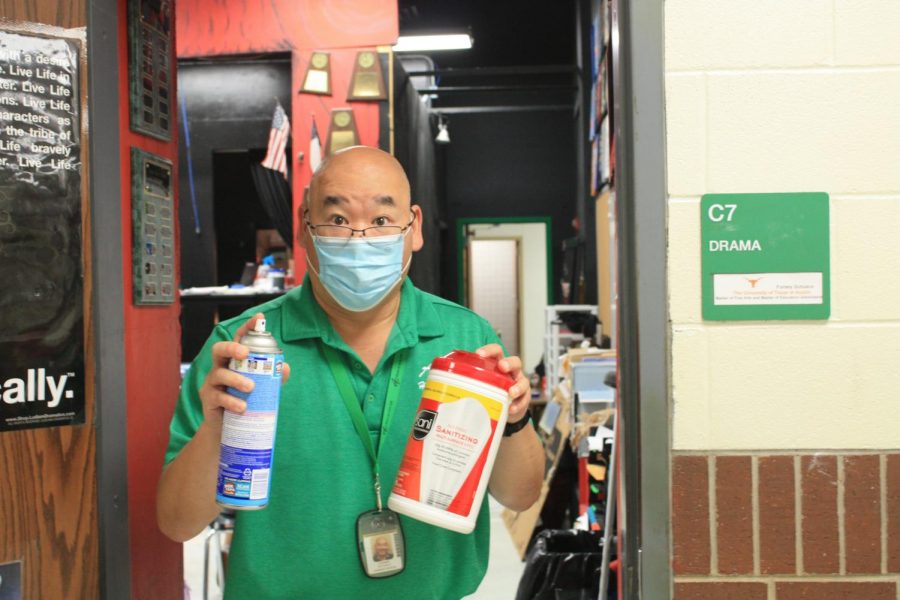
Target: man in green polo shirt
357	305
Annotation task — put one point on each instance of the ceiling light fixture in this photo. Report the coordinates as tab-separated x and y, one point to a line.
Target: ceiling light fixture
427	43
443	136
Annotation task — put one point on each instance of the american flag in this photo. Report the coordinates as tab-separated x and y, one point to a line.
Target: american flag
276	156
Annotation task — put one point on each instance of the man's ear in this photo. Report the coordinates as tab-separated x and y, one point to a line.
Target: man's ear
301	225
418	239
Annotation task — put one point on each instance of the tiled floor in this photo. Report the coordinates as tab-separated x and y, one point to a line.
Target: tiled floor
504	568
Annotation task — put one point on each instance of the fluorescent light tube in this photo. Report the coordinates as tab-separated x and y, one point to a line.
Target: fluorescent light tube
425	43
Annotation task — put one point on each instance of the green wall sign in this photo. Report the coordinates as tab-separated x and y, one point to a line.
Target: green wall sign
765	256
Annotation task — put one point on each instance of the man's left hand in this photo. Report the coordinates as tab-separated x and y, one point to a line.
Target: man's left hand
519	466
520	392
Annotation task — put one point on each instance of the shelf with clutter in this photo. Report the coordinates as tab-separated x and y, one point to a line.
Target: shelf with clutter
578	429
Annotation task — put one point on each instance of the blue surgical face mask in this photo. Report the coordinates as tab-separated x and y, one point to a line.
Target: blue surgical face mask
359	272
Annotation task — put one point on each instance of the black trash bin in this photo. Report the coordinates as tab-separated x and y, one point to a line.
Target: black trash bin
562	565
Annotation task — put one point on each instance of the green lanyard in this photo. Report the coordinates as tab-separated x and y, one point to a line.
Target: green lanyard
345	387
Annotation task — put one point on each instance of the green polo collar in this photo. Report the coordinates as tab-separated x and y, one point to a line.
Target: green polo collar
305	319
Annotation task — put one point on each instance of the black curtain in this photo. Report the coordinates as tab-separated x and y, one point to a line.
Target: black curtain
414	148
275	196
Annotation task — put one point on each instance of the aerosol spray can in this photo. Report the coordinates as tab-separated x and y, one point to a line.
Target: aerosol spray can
248	439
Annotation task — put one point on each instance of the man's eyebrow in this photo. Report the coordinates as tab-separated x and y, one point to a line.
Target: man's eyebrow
334	200
340	200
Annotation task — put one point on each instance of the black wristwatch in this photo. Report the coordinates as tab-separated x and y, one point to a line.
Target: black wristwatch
519	425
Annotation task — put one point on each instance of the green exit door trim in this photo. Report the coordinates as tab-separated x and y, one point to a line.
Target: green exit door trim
765	256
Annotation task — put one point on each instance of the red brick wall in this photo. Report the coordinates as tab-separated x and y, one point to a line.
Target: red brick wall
809	526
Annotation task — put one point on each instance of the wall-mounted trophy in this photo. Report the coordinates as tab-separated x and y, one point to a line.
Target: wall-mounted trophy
342	131
318	75
367	82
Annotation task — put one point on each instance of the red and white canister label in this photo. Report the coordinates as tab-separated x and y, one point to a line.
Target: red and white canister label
449	446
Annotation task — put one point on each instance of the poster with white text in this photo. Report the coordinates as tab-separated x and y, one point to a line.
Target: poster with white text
41	271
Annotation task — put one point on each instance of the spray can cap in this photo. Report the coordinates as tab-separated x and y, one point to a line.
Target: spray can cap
260	326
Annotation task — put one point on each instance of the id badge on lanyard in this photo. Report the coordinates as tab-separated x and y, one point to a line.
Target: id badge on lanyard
379	539
379	536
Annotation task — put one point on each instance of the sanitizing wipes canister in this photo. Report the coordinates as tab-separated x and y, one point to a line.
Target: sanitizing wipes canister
248	439
453	442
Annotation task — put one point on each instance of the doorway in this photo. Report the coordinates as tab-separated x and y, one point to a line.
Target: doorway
493	280
532	268
227	106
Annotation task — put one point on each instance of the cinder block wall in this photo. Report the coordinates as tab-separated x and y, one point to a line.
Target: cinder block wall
786	435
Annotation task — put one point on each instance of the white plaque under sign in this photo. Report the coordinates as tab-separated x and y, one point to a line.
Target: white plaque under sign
749	289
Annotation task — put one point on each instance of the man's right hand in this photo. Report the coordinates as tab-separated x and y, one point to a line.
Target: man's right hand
186	498
213	392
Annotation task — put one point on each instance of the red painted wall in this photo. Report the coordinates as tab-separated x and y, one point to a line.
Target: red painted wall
216	27
152	355
340	27
304	107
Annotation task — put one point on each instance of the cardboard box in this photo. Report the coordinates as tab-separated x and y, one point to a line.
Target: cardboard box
521	524
576	355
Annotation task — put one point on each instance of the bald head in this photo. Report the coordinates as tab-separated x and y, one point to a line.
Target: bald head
361	169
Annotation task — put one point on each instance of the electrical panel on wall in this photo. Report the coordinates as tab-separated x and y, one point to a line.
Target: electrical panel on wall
150	67
153	228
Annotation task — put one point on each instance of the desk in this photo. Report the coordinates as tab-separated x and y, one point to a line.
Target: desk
230	299
201	312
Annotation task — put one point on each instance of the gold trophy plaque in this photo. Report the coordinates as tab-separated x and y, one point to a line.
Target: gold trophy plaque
367	82
342	132
318	75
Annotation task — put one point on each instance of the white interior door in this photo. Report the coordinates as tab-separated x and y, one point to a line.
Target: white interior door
493	286
532	275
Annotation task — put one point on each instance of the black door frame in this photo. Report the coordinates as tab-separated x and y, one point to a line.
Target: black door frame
644	344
